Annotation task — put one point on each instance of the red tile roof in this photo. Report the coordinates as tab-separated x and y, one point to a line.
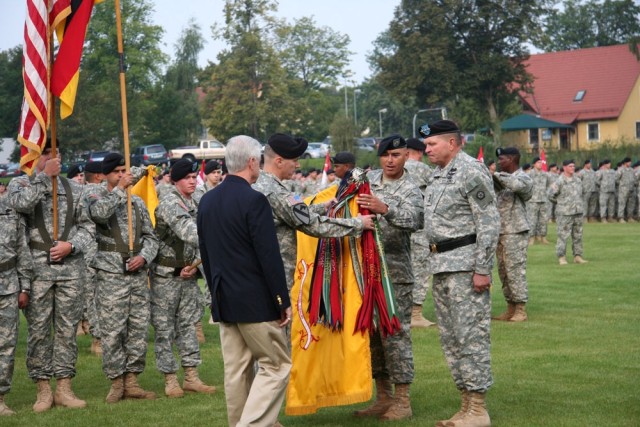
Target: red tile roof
608	75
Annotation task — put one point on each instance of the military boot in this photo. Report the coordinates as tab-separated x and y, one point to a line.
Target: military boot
200	333
464	406
132	389
520	315
384	399
96	346
544	240
172	387
604	220
64	395
79	330
532	240
4	409
418	320
192	382
562	260
511	309
622	221
476	414
400	408
44	398
579	260
116	393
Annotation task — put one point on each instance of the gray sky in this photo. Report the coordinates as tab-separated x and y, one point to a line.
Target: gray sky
362	20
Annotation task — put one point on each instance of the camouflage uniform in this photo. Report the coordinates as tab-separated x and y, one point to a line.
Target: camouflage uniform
589	192
460	201
512	192
163	188
16	271
122	300
419	173
175	302
537	208
291	214
606	178
626	196
392	357
553	177
567	192
55	302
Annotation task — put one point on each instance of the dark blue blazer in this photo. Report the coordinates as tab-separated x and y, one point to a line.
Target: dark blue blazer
240	254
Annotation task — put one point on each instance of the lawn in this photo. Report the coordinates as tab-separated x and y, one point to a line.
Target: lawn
576	362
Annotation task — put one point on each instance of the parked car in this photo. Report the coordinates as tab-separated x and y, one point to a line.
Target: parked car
205	150
147	155
96	156
316	150
468	138
365	144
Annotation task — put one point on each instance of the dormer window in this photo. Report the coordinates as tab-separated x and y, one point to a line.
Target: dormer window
580	96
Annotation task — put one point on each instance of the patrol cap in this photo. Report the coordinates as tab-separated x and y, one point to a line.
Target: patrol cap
182	168
343	158
286	146
111	161
416	144
438	128
568	162
93	167
75	170
392	142
507	151
212	165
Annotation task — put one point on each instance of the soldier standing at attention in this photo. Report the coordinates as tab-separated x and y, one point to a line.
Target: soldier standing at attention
16	271
462	224
419	173
567	192
513	188
606	179
537	207
213	177
625	177
55	303
399	205
589	191
176	303
122	297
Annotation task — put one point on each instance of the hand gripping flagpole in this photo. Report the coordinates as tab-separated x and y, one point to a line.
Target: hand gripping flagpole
125	123
54	140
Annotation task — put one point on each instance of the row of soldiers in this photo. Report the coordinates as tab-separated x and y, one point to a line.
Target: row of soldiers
99	247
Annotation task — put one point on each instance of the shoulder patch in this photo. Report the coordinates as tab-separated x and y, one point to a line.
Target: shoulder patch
301	212
294	199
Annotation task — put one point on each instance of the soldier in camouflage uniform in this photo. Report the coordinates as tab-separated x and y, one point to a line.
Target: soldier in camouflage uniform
213	177
537	207
589	191
513	188
567	192
55	306
16	272
553	177
625	177
462	224
176	303
399	205
122	297
164	185
606	179
419	173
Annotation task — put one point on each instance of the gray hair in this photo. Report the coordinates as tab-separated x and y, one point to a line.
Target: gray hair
239	150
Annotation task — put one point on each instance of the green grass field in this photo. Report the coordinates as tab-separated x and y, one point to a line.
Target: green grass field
576	362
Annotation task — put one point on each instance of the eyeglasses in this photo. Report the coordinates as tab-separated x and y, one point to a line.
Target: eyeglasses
424	130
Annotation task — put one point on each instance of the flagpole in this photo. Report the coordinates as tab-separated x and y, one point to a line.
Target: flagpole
125	123
54	141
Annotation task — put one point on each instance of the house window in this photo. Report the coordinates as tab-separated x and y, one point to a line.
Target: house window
637	130
579	96
534	137
593	131
546	135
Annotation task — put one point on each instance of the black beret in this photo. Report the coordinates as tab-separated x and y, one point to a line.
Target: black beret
212	165
587	162
182	168
330	171
552	165
636	164
535	160
343	158
626	160
526	166
416	144
112	161
507	151
606	162
75	170
568	162
438	128
286	146
392	142
93	167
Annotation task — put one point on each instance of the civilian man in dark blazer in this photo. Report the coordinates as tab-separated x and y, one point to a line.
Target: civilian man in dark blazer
245	273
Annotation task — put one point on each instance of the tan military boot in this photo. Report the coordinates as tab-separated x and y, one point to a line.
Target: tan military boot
79	330
464	406
603	220
520	315
4	409
172	387
579	260
544	240
85	327
532	240
562	260
192	382
622	221
116	393
476	414
44	398
384	399
631	220
200	333
400	409
511	309
418	320
132	389
96	346
64	395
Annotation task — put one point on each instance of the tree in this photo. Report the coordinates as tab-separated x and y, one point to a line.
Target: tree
11	91
592	23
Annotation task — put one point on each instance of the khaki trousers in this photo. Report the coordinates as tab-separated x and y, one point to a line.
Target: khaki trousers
254	398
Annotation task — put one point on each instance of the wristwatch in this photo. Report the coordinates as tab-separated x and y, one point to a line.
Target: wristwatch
73	249
25	291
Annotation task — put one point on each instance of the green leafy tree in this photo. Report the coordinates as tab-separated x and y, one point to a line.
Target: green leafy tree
11	91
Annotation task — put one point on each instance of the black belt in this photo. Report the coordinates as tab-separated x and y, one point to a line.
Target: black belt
8	265
451	244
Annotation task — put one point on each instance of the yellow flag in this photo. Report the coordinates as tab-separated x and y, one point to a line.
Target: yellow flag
146	190
329	368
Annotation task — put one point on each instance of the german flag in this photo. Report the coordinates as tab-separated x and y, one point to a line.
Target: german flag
66	67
